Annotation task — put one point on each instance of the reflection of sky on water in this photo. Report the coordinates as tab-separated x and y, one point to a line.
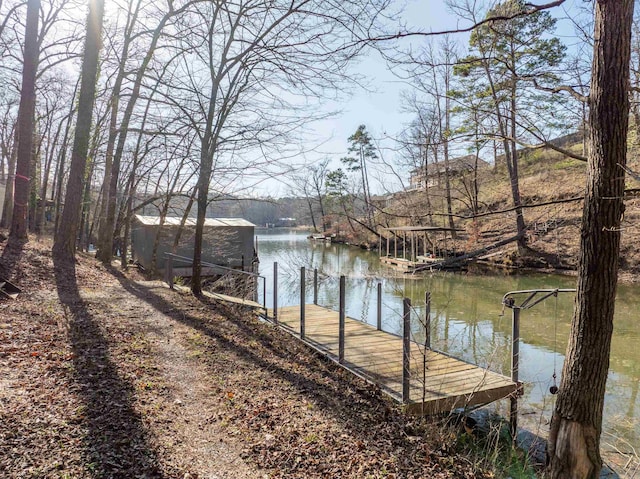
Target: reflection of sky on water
466	319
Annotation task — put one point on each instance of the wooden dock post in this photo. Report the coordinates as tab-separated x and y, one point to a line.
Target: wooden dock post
515	358
341	319
275	292
379	311
427	319
302	300
406	352
315	285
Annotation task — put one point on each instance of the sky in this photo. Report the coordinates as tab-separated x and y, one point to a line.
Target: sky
379	107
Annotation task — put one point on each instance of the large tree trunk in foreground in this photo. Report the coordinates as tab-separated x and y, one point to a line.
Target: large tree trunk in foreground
574	443
65	243
26	114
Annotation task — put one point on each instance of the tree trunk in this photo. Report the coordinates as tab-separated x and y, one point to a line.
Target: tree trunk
62	156
313	218
203	195
26	114
105	238
107	253
7	209
574	442
512	165
156	240
445	137
322	214
65	243
34	185
510	159
40	219
131	190
183	221
367	191
86	226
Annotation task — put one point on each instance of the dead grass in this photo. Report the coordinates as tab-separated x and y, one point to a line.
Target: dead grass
554	229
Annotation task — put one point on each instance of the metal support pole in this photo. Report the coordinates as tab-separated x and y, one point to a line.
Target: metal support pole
406	349
515	357
427	319
275	292
341	320
315	286
379	321
302	299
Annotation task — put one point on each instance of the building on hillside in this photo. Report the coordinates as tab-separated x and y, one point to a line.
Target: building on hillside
434	173
226	242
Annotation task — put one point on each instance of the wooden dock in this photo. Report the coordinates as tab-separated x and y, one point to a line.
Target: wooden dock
447	383
408	266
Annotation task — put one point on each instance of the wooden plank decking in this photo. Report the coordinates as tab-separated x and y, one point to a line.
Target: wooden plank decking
409	266
449	382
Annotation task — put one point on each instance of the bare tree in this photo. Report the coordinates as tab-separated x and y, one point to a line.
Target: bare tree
65	242
106	236
317	178
247	75
503	53
431	75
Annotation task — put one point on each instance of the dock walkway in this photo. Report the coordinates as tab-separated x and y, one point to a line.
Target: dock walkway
445	384
223	297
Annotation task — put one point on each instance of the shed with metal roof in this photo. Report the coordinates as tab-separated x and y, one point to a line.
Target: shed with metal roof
226	241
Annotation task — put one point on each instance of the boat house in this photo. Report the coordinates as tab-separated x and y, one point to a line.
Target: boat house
226	242
415	248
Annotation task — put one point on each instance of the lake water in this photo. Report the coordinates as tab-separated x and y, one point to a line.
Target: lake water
467	320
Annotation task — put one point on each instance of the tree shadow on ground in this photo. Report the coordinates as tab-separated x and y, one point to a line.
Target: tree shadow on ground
116	443
11	256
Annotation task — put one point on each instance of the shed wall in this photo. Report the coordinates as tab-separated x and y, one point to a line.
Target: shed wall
230	246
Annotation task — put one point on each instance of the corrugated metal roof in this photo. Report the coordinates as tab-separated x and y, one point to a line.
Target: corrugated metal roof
234	221
176	220
419	228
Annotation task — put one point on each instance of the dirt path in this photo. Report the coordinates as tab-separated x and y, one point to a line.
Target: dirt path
197	438
183	423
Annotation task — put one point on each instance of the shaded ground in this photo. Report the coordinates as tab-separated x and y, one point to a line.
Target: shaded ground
107	375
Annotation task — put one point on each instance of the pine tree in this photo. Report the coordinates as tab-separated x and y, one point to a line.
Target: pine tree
507	57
